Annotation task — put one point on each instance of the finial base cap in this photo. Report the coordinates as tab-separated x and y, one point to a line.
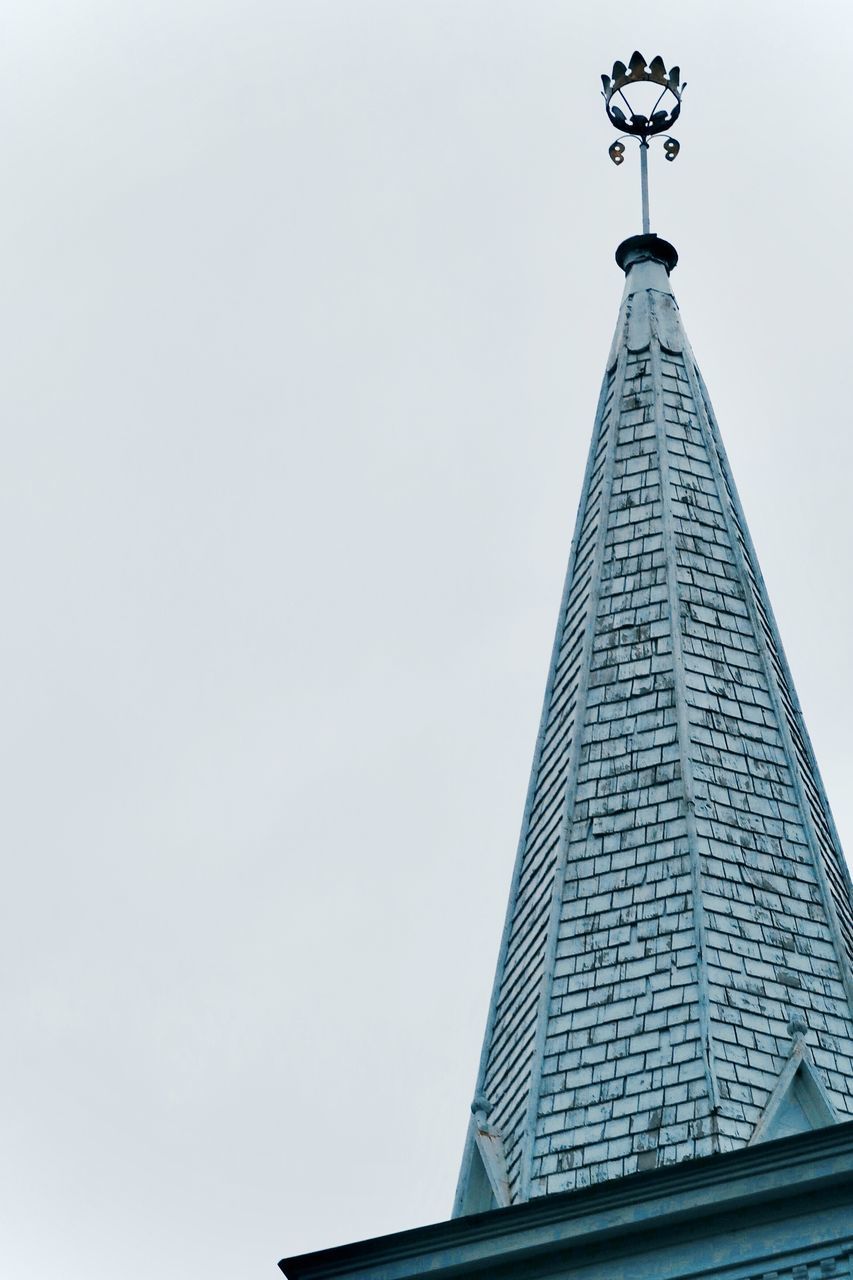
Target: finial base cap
646	249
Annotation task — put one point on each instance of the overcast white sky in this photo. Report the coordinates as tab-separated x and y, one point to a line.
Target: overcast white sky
305	308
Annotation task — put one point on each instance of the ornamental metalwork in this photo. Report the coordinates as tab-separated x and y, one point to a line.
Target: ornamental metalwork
664	96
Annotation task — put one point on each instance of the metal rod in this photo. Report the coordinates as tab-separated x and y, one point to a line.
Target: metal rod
644	183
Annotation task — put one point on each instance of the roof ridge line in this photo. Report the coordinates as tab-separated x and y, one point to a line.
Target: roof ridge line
683	727
530	796
546	990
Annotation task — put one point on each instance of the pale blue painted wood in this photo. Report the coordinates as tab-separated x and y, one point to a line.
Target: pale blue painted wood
556	681
679	890
684	744
782	1209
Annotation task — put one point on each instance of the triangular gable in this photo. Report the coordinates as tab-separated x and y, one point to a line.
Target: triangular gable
799	1102
486	1186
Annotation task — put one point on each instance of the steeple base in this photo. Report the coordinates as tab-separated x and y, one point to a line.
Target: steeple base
649	248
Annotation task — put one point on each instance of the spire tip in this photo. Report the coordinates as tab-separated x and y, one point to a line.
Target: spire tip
646	248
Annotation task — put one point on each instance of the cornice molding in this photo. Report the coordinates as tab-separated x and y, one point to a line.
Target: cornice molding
745	1179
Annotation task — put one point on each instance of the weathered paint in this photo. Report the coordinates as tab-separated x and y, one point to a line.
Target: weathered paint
799	1102
679	889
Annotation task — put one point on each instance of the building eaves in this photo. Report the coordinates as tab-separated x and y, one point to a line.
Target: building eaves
752	1184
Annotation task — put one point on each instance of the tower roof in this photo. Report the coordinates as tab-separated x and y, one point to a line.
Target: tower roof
674	977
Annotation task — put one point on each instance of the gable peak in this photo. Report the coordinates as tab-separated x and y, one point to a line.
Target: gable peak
800	1101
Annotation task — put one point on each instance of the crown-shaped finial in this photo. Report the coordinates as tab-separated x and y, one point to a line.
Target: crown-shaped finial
661	104
659	118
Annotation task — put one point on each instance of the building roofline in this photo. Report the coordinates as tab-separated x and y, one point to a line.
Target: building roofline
641	1202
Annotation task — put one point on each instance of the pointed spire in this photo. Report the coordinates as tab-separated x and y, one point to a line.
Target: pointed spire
680	907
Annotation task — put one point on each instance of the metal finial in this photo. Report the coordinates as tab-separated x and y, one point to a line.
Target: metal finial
798	1028
480	1108
664	99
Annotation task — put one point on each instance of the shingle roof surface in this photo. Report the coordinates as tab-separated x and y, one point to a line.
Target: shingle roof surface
679	891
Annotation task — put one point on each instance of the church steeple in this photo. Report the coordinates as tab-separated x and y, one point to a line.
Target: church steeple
680	901
675	975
